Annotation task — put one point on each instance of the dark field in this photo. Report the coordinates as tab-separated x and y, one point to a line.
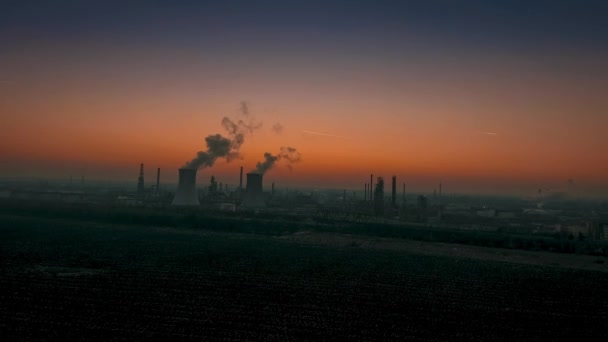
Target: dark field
72	280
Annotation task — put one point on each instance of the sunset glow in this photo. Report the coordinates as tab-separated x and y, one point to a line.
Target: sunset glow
494	110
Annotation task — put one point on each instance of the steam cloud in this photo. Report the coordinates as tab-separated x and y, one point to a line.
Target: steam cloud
277	128
219	146
290	154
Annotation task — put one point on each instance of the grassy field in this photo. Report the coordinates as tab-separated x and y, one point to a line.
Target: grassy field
76	280
273	224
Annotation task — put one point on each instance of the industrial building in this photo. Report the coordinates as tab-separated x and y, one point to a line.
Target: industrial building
254	193
186	194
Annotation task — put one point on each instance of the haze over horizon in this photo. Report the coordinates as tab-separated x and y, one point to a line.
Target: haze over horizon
485	96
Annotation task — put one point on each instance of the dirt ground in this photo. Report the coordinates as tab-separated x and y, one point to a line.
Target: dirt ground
573	261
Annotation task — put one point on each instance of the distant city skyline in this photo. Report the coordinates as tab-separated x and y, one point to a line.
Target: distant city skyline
485	96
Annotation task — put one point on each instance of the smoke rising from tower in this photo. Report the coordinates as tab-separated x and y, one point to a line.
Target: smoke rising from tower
290	154
219	146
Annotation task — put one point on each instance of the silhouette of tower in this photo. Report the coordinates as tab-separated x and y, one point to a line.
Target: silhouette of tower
379	197
157	181
394	192
371	186
241	180
186	190
254	194
440	209
140	181
421	207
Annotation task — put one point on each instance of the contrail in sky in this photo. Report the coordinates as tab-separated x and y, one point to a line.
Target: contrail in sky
324	134
489	133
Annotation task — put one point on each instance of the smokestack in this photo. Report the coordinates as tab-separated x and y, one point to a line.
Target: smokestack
158	180
365	193
140	180
272	191
371	186
440	208
394	192
404	192
379	197
241	180
186	189
254	194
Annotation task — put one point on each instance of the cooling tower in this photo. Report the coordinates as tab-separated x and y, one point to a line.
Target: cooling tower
186	189
254	195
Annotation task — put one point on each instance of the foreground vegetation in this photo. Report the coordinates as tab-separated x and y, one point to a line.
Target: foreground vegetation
77	280
279	224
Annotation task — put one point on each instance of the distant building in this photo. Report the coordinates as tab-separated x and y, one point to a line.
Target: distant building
140	182
394	192
486	213
422	208
379	197
505	214
597	230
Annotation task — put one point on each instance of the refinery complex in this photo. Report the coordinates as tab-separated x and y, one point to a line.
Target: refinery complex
372	203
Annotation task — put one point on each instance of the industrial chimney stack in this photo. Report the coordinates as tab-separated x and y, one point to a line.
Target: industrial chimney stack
158	181
140	181
241	180
379	197
394	194
186	189
254	194
371	186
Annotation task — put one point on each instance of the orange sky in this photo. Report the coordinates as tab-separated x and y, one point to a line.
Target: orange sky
103	111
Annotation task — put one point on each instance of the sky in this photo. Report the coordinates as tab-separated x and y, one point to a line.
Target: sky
484	96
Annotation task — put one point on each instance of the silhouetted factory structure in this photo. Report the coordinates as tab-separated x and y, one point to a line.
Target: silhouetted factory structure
140	181
379	197
254	193
186	194
413	208
394	192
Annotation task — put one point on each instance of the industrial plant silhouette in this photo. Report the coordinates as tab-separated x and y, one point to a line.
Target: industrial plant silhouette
425	170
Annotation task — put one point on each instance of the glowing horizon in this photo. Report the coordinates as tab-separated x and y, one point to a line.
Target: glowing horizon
485	110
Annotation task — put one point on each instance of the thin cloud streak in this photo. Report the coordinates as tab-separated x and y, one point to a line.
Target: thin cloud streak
324	134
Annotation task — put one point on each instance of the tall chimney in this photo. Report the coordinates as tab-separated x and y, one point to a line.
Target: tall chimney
186	194
254	194
371	186
140	180
379	197
365	193
158	180
440	211
394	192
272	191
241	180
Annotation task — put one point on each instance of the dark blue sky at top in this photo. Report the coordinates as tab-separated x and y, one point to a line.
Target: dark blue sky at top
564	23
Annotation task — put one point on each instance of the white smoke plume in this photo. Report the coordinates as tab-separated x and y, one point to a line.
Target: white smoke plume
277	128
219	146
289	154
